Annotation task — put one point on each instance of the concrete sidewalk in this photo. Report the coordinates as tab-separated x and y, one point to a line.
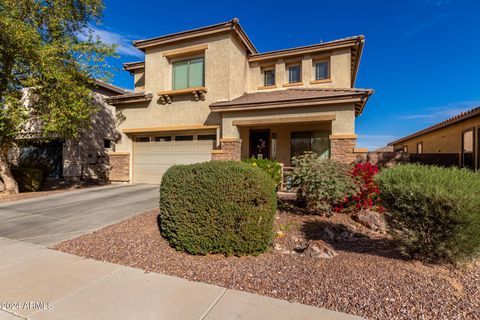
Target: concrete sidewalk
40	283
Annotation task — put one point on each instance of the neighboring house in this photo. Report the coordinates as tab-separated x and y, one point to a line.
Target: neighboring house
458	136
209	94
86	157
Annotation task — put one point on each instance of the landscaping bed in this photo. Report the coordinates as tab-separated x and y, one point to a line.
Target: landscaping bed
367	277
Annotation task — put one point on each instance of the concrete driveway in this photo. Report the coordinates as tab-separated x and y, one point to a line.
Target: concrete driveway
55	218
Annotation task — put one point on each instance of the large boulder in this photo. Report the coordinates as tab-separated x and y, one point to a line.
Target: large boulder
371	219
319	249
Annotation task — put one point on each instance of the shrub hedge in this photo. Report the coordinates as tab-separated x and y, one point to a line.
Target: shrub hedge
217	207
271	167
323	184
435	211
28	179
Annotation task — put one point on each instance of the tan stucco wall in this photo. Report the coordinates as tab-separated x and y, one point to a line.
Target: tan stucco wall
340	69
445	140
225	79
344	122
139	80
283	133
228	75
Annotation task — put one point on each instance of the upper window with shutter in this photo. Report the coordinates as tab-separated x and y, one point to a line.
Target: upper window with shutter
189	73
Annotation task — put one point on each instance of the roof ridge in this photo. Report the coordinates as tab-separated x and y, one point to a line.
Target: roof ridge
311	45
438	125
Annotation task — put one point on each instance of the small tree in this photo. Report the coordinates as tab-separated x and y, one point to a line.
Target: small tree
48	59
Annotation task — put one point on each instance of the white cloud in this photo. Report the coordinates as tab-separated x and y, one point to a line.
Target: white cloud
123	42
443	112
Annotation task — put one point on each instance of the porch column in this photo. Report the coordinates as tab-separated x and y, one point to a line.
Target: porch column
230	149
342	148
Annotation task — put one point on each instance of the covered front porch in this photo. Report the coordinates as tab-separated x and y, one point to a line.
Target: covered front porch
281	124
282	141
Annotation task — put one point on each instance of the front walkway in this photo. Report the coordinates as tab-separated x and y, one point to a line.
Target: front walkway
40	283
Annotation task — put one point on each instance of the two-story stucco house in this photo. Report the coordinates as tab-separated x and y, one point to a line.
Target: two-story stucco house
209	94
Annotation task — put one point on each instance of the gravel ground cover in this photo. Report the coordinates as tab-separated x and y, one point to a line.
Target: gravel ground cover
368	277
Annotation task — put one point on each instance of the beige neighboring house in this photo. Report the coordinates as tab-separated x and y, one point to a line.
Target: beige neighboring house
83	158
209	94
457	137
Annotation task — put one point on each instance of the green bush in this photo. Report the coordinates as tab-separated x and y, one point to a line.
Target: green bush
28	179
434	212
217	207
271	167
322	184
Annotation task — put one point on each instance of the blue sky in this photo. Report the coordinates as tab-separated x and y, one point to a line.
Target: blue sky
421	56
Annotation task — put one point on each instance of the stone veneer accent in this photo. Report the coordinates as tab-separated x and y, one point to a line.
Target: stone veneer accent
119	167
342	150
230	150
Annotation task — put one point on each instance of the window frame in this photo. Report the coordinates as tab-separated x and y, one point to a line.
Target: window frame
272	69
188	60
405	149
420	144
462	154
329	71
184	136
138	139
167	138
207	137
291	65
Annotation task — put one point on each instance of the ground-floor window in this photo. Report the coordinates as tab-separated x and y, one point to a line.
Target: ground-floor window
314	141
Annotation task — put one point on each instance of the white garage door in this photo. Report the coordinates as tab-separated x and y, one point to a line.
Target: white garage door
153	155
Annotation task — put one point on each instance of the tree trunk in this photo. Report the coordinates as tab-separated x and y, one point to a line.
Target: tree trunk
11	185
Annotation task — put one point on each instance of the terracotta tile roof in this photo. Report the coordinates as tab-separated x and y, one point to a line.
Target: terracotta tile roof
455	119
293	95
312	46
129	98
231	25
111	87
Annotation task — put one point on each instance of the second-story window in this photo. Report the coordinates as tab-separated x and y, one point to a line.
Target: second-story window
294	73
189	74
322	70
269	77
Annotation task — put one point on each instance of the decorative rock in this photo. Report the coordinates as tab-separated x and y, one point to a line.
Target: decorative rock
280	234
372	220
328	234
344	234
277	247
319	249
295	239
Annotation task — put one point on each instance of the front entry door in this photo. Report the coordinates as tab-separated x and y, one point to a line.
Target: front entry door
260	144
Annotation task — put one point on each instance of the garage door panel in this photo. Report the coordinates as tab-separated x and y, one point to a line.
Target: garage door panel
152	159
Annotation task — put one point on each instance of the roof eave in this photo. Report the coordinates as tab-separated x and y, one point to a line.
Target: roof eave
129	98
232	25
111	87
131	66
358	57
305	49
472	113
290	103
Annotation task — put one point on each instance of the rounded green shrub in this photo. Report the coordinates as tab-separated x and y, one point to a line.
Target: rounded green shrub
217	207
434	212
28	179
322	184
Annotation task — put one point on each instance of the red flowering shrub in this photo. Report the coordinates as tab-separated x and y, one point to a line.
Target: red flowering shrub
368	193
